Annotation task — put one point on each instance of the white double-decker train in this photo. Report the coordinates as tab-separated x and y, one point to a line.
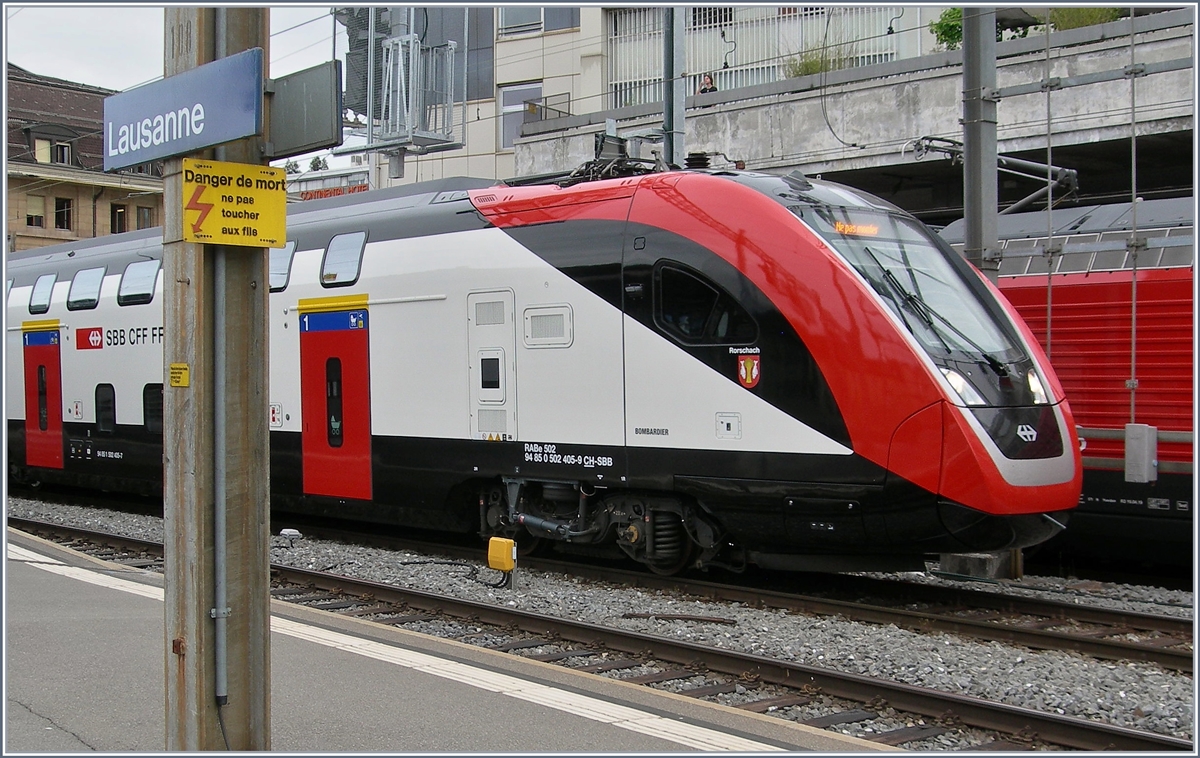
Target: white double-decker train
698	367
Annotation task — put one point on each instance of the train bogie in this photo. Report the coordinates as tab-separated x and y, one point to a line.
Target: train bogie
693	368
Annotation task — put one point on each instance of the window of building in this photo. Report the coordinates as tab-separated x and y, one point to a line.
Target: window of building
343	259
512	110
152	408
556	18
521	19
137	283
117	218
35	210
711	16
39	300
62	212
85	289
145	217
106	408
696	311
49	151
280	267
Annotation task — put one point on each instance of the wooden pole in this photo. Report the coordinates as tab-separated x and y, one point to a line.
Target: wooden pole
195	720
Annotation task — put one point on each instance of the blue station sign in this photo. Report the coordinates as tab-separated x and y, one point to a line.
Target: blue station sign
215	103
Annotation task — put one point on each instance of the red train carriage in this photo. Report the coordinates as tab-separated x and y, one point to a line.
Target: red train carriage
1080	306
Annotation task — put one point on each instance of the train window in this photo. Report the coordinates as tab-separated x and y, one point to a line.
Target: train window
489	372
85	289
1147	258
281	266
698	312
43	407
1110	260
491	375
334	432
106	408
152	408
1013	264
343	259
1040	264
39	301
1074	262
137	283
1176	255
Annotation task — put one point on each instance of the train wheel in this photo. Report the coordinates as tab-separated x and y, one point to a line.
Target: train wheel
528	544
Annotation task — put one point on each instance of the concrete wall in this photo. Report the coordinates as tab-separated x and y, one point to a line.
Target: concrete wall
862	118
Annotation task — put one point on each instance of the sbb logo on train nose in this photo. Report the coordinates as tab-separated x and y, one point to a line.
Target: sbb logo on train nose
89	338
1027	432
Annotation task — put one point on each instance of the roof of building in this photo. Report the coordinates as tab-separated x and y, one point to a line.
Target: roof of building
58	109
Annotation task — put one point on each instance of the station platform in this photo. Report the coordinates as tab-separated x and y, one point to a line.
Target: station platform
84	673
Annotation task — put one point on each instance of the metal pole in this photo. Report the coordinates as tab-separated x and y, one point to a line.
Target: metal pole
673	91
370	76
1049	201
220	610
979	138
1132	384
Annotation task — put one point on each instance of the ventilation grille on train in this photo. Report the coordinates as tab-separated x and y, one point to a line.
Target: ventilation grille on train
492	420
547	327
489	313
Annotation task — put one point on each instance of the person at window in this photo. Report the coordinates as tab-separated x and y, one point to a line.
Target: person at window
706	85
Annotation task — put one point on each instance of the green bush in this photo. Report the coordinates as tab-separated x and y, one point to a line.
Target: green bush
948	29
815	60
1062	19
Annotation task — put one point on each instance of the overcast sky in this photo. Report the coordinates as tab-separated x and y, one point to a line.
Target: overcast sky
122	47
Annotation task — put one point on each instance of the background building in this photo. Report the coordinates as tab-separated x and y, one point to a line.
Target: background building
57	188
843	92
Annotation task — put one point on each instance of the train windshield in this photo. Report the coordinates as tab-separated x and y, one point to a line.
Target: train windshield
918	281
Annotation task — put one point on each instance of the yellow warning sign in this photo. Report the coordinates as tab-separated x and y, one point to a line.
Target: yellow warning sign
180	375
234	204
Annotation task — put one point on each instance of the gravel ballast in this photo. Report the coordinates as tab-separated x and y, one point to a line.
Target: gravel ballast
1130	694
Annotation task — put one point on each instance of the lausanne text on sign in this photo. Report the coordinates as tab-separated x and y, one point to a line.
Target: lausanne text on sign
216	103
234	204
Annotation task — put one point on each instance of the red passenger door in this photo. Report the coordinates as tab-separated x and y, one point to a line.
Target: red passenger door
335	399
43	395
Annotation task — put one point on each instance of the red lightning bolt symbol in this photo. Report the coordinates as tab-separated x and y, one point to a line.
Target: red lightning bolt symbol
195	205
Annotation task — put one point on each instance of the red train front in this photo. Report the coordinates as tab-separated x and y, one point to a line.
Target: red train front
928	419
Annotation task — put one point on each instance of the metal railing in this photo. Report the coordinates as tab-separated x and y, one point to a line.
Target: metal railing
418	92
742	47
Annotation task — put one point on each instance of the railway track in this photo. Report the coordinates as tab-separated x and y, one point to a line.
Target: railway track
598	648
1032	622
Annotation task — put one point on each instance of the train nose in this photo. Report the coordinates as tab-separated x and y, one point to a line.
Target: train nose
1022	433
979	531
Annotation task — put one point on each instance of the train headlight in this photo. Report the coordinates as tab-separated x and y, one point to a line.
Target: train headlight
965	391
1035	386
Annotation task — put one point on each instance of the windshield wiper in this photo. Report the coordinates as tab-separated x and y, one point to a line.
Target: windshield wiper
927	314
